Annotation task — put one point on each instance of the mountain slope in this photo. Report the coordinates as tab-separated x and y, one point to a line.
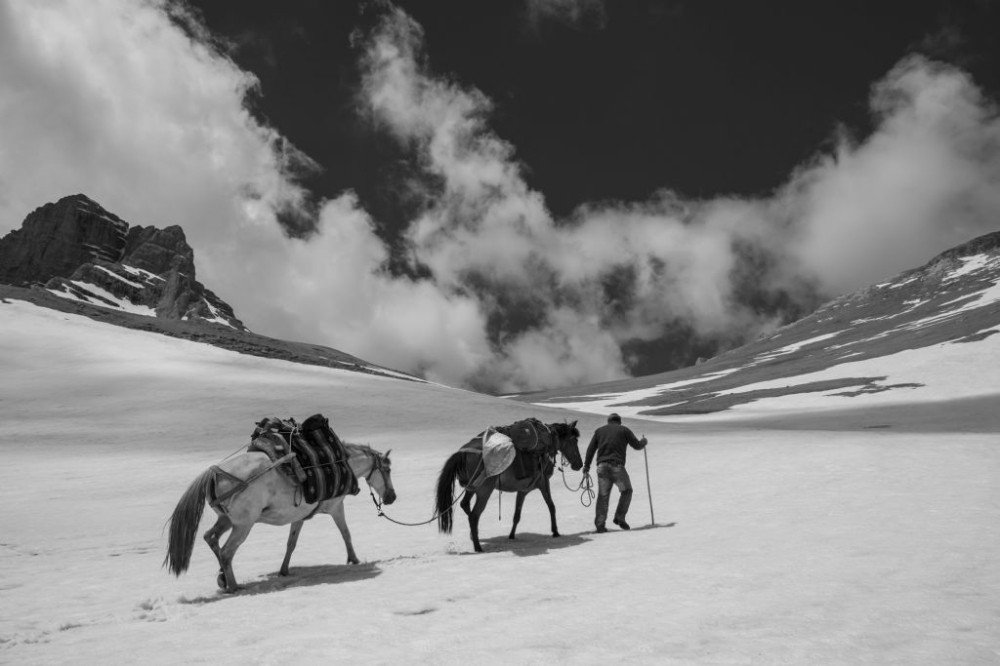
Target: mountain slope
75	256
927	335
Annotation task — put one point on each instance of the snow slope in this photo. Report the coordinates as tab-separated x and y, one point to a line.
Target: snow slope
927	337
772	547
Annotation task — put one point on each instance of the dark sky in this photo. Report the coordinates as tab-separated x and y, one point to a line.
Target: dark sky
704	98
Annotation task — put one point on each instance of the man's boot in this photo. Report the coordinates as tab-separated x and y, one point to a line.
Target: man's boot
601	528
620	522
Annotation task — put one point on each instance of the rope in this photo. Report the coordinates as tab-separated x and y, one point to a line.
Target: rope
586	486
383	514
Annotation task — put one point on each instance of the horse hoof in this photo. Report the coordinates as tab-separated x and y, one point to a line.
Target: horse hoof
556	535
512	537
220	580
283	572
353	561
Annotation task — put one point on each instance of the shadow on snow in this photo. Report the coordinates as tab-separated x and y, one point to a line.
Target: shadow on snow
528	544
325	574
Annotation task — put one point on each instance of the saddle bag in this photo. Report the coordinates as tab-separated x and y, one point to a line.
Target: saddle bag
529	435
320	465
339	477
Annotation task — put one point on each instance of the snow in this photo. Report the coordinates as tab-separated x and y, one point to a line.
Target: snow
120	303
897	285
120	278
972	264
141	272
782	547
794	347
602	403
216	318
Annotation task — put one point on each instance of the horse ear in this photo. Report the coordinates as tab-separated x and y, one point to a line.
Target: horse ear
388	452
573	424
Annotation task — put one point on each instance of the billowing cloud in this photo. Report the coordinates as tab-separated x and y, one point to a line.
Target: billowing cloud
727	268
117	99
133	104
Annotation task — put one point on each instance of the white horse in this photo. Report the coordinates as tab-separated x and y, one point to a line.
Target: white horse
267	496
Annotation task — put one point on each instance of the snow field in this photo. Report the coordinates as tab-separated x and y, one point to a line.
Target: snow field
786	547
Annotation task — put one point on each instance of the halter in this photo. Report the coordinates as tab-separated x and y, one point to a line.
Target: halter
376	465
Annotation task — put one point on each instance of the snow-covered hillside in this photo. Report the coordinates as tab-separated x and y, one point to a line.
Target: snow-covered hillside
771	547
928	336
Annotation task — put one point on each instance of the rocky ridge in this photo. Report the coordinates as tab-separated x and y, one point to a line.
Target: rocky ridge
76	249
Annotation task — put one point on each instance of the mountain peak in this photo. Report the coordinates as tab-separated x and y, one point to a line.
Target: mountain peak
79	250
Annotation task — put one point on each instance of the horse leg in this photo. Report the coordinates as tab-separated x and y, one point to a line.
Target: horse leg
547	496
471	487
212	536
466	502
482	497
236	537
518	503
341	520
293	538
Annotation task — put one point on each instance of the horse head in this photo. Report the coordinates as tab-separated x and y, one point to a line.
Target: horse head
379	477
567	443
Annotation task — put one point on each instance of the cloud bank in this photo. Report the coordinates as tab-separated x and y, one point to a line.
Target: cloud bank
726	268
135	105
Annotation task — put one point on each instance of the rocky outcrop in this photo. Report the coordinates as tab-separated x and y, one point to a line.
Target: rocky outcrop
57	238
78	250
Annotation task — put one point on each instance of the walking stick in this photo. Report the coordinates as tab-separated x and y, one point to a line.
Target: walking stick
649	491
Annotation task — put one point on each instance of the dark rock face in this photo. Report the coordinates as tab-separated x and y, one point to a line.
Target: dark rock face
79	250
56	238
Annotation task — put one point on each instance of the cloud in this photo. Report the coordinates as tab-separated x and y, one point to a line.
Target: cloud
728	268
925	180
135	104
583	14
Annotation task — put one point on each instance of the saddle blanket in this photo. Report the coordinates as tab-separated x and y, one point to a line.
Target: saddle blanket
320	466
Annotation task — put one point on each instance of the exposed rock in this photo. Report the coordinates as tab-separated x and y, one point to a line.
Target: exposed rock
79	250
57	238
159	250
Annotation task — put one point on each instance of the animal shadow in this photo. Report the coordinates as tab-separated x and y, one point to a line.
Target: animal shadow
325	574
528	544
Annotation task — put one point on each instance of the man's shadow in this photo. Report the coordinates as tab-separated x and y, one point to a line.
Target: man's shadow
324	574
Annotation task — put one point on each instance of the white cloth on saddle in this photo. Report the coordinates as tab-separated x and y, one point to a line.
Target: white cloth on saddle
498	453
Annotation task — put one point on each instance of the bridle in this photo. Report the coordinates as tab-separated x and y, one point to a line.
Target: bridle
377	466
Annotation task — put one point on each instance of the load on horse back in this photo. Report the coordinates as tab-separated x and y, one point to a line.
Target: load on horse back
288	474
535	446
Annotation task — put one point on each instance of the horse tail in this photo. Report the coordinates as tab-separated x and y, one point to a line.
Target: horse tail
445	490
184	523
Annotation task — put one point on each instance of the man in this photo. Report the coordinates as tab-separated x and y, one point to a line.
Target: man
609	443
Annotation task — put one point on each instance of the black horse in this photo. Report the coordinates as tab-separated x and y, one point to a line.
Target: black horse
466	466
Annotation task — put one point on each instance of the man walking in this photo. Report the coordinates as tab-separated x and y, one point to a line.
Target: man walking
609	443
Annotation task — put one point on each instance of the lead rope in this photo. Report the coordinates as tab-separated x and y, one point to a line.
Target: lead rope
383	514
586	485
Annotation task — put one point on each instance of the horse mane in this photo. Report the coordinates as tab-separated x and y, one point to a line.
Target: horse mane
564	429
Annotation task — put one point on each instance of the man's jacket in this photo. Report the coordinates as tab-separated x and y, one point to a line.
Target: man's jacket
609	443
